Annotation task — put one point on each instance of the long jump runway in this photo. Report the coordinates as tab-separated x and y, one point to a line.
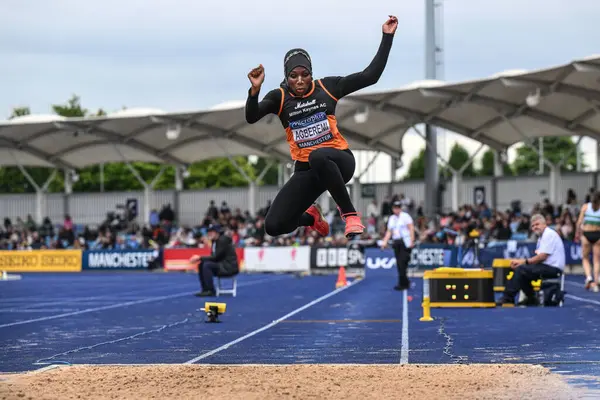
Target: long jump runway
153	318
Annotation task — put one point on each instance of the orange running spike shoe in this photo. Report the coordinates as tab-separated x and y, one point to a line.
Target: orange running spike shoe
320	225
354	226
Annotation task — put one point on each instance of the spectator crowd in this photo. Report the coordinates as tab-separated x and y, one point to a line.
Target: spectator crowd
248	230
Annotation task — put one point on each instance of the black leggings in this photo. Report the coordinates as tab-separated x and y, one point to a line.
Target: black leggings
327	169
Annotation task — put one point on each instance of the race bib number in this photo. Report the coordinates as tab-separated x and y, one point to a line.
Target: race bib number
312	130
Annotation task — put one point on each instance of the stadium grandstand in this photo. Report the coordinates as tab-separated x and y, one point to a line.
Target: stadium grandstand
508	108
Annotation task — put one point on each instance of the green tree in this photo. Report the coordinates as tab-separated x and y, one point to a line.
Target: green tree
19	112
272	174
458	158
487	165
72	108
555	148
416	168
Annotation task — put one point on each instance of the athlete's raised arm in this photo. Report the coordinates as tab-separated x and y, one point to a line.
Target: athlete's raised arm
255	110
343	86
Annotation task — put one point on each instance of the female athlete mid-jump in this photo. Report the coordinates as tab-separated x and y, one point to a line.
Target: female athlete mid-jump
322	159
588	231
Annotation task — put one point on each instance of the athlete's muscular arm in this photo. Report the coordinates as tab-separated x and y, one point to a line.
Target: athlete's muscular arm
256	110
342	86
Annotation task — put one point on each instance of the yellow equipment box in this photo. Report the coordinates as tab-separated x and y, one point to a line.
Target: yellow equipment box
460	287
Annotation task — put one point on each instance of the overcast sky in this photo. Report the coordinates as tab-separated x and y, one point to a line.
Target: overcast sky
185	55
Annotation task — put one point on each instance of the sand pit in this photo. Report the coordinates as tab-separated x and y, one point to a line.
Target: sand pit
256	382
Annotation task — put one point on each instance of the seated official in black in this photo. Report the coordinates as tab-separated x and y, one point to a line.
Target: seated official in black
223	262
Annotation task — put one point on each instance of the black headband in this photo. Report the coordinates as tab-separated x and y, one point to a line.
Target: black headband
296	58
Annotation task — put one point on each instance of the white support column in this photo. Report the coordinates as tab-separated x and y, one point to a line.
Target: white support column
68	190
578	155
252	196
541	156
456	174
252	183
456	178
280	168
324	200
146	191
597	155
287	172
178	178
356	186
68	182
40	195
101	177
147	188
498	169
180	173
356	193
553	186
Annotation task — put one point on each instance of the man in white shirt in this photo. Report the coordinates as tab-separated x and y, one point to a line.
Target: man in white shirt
548	263
401	229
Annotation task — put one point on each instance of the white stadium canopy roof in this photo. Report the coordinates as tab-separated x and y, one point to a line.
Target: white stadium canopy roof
499	111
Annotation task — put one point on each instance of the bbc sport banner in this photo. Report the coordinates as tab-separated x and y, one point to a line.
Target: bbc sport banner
179	259
40	260
277	259
328	259
118	259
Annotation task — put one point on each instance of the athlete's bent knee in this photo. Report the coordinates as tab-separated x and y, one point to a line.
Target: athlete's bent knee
273	227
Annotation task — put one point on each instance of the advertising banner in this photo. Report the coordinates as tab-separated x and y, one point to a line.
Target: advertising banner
179	259
422	257
328	259
40	260
513	249
277	259
118	259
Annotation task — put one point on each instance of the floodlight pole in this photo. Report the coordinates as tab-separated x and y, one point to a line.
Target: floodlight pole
431	65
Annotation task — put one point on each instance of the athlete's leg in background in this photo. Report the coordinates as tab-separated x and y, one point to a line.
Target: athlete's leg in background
334	168
402	254
288	210
596	258
586	248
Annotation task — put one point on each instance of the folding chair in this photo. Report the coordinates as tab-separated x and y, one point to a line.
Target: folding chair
559	279
222	290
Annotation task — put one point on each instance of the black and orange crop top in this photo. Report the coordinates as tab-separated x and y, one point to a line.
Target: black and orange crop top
309	120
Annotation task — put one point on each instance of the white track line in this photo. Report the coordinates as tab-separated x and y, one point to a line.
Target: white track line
570	296
100	297
119	305
404	345
272	324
